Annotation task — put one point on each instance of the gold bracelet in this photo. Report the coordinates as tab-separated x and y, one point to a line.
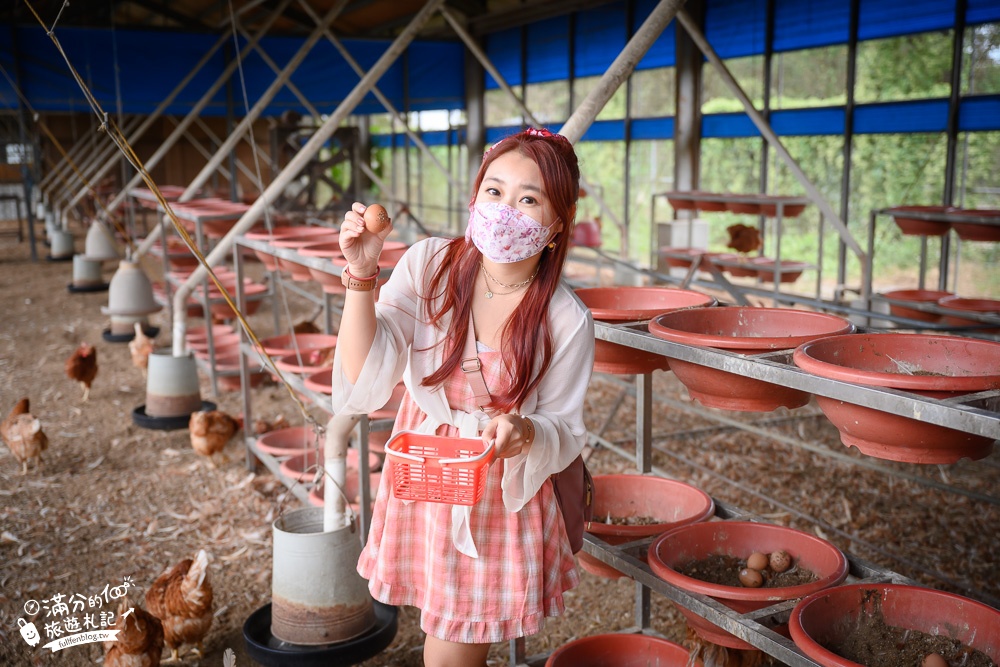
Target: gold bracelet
530	428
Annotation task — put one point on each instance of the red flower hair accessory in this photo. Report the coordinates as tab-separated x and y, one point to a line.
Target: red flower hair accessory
531	132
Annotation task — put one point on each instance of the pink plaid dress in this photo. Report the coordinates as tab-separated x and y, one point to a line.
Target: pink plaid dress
524	565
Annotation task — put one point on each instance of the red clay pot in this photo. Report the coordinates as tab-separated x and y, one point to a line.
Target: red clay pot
789	271
351	488
620	650
305	362
229	361
670	502
745	330
683	204
916	296
288	441
939	367
747	270
628	304
696	541
915	227
200	334
330	282
320	381
291	231
986	306
827	617
974	231
770	208
689	255
283	345
743	208
297	467
220	341
223	311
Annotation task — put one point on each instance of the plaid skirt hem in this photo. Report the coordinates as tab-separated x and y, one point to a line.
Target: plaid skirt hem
472	631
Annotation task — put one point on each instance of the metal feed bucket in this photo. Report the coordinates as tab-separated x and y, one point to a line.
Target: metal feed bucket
317	595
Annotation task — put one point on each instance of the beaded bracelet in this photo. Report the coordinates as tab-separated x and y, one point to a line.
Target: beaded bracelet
530	429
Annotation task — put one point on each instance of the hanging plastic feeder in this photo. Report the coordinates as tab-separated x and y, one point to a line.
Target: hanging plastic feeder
100	244
130	299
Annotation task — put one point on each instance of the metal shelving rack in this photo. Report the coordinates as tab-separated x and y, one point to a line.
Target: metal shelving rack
715	266
943	267
359	436
206	364
977	413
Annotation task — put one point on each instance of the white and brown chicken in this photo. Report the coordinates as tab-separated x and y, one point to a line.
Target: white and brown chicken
182	599
23	434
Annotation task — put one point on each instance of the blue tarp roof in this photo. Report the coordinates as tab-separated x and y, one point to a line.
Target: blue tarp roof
147	65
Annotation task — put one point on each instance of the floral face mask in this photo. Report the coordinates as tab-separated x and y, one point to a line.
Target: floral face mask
504	234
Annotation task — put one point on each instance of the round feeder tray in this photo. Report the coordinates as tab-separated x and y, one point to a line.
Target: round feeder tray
142	420
269	651
83	289
109	337
67	258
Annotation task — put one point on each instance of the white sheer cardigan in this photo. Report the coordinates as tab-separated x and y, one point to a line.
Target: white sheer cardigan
406	346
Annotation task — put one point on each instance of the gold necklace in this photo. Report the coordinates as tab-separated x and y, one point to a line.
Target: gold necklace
513	288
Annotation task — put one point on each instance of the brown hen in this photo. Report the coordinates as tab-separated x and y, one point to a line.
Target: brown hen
25	437
743	238
140	348
262	426
210	431
139	642
20	408
306	327
712	655
82	367
182	599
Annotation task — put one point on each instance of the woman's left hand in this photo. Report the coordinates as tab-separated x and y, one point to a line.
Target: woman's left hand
511	435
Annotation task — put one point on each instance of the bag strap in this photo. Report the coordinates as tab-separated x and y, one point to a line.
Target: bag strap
473	369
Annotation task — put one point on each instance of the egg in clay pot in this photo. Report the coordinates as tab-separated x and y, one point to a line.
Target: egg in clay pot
376	218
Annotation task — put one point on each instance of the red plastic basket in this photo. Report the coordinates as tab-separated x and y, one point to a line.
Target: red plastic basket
437	469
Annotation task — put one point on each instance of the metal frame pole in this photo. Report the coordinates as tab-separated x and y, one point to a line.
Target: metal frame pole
337	44
148	122
620	69
484	60
772	138
169	142
295	166
95	154
262	102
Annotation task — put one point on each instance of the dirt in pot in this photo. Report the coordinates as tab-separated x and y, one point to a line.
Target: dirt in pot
628	520
725	570
874	643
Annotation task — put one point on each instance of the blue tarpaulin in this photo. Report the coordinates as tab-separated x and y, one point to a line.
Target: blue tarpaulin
147	65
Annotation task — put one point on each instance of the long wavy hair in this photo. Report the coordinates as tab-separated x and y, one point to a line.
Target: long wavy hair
526	339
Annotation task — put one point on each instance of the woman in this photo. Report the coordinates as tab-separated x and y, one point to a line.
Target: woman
494	571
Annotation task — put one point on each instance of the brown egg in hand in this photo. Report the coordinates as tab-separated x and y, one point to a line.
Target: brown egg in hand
376	218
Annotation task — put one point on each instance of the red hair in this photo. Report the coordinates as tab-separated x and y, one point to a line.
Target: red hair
526	339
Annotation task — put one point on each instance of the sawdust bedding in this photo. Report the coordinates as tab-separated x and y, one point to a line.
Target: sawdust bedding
114	500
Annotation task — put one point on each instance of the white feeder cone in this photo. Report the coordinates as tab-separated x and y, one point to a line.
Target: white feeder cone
86	272
61	244
130	292
100	244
